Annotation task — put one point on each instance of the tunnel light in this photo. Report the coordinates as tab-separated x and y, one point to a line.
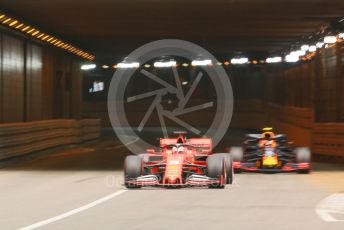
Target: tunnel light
312	48
19	26
274	59
300	52
105	66
6	20
25	28
330	39
219	63
165	64
30	31
40	35
319	45
239	61
293	53
88	66
291	58
226	63
185	83
34	32
147	66
13	23
201	62
45	37
297	53
304	47
124	65
185	64
56	42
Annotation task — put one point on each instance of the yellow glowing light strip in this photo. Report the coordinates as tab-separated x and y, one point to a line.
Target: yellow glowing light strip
13	23
45	37
30	31
51	38
20	25
39	36
25	28
34	32
6	20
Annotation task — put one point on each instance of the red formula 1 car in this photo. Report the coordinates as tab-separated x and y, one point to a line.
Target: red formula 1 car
180	162
268	152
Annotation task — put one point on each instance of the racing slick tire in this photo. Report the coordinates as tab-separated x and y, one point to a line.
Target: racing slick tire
215	169
132	170
229	167
303	155
237	154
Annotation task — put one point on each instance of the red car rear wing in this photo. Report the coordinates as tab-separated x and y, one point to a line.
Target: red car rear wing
205	144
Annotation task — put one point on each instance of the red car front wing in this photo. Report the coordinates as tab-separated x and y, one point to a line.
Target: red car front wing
194	180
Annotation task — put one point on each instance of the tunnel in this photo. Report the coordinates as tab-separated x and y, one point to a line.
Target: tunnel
91	89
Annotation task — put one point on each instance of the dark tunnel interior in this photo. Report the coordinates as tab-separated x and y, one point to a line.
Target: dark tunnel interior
174	114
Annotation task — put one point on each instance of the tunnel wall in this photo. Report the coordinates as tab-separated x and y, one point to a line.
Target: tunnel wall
26	137
12	79
37	81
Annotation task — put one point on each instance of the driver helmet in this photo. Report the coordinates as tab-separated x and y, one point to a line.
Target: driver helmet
268	133
181	149
267	136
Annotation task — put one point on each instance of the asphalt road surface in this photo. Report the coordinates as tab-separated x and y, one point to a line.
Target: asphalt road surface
81	188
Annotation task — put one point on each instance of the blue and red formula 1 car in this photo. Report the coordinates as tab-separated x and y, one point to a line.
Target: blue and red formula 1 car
270	152
180	162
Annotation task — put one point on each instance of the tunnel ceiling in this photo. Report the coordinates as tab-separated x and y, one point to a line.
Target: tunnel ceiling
111	29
